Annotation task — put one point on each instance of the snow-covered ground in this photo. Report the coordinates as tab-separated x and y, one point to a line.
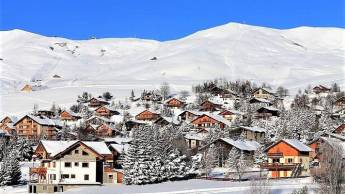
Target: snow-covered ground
197	187
284	186
292	58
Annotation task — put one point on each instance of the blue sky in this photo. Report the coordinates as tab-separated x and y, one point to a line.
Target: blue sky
161	19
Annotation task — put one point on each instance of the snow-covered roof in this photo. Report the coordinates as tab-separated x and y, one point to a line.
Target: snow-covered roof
262	100
101	118
42	120
72	113
198	113
218	118
55	147
118	140
14	119
233	111
298	145
120	148
254	129
4	133
269	108
172	99
266	89
242	144
98	146
195	136
171	120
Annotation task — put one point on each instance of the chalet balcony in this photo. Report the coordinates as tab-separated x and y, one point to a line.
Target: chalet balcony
38	170
278	166
275	155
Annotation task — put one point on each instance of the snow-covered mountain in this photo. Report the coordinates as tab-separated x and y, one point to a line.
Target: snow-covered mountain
293	58
235	51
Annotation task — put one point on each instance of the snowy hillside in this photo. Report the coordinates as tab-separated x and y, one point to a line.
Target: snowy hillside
293	58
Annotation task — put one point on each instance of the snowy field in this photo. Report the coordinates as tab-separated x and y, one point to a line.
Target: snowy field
194	186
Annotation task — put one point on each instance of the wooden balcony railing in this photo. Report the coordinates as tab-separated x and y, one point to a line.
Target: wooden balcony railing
278	166
275	155
38	170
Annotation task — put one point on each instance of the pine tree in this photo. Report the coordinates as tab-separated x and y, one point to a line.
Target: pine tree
11	169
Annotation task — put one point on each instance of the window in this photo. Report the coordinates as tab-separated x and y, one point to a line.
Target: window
68	164
76	151
54	164
290	160
52	176
86	177
85	165
44	188
65	176
111	176
275	160
85	153
76	163
72	176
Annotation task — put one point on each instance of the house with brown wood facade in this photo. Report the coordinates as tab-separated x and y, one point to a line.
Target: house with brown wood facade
174	103
7	124
210	106
189	115
69	116
147	115
231	115
264	93
287	158
106	111
97	102
321	89
36	127
210	120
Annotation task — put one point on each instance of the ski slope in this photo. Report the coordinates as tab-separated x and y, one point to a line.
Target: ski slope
293	58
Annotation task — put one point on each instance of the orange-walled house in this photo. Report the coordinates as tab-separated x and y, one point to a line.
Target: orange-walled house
147	115
175	103
287	158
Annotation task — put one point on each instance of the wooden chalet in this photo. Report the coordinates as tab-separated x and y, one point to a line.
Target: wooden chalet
97	102
250	133
231	115
210	120
131	124
189	115
147	115
6	124
340	103
287	158
174	103
96	120
321	89
260	101
264	93
266	112
224	145
102	130
106	111
151	96
35	127
69	116
223	93
210	106
48	113
118	150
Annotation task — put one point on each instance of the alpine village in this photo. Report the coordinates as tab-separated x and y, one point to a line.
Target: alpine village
219	130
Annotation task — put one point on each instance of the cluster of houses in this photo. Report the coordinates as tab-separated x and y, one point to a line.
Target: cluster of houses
67	164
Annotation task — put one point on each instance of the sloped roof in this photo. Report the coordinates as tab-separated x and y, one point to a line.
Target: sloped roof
198	113
72	113
42	120
242	144
195	136
294	143
233	111
261	100
254	129
55	147
218	118
266	89
120	148
98	146
269	108
14	119
118	140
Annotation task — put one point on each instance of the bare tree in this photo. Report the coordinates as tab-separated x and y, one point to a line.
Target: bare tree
332	163
165	90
